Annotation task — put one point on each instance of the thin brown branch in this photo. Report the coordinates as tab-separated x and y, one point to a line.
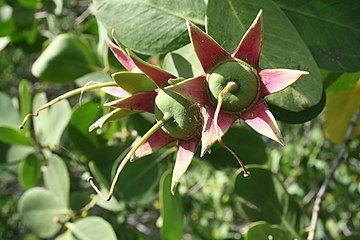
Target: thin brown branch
336	163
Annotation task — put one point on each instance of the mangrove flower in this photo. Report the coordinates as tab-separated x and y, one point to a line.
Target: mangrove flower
235	84
177	118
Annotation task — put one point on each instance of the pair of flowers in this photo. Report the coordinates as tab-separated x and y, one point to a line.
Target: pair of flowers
232	87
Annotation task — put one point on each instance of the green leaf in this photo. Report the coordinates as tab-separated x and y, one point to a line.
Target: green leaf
4	41
139	177
7	25
39	209
29	171
14	136
340	108
64	60
112	205
78	128
93	77
17	153
247	144
30	3
92	228
282	47
56	178
66	236
114	115
55	118
171	208
265	199
298	117
133	82
342	82
150	26
25	101
183	62
354	236
9	115
128	233
264	231
335	47
78	200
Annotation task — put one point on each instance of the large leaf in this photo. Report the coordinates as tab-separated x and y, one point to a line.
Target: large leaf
9	115
340	108
78	128
56	178
92	228
183	62
282	47
298	117
40	209
50	123
247	144
29	171
261	230
139	177
14	136
171	210
265	199
331	29
150	26
64	60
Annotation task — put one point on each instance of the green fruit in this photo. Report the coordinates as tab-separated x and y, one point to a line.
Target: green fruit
247	89
182	116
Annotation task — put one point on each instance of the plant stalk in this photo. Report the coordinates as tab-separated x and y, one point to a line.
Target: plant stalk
231	86
128	156
65	96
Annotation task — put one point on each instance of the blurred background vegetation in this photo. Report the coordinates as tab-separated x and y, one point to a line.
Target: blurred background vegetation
54	155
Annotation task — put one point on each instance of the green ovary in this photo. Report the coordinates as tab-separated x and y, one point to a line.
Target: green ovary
182	116
247	88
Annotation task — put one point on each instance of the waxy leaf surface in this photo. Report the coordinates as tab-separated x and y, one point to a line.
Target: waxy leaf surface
150	26
331	30
282	47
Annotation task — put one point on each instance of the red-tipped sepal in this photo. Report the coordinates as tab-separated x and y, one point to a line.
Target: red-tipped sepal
207	49
159	76
121	55
193	89
261	120
274	80
143	101
111	116
250	45
209	135
115	91
158	140
183	159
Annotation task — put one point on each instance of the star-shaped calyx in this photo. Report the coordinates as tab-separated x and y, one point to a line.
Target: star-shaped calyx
142	89
233	86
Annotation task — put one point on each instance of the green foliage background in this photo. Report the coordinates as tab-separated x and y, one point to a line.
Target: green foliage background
48	47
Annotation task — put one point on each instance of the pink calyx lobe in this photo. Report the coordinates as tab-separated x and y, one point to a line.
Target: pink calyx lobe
212	56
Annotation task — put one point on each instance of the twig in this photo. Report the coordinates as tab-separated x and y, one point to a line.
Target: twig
84	15
336	163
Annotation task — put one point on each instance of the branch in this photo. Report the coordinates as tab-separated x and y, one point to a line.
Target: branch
336	163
